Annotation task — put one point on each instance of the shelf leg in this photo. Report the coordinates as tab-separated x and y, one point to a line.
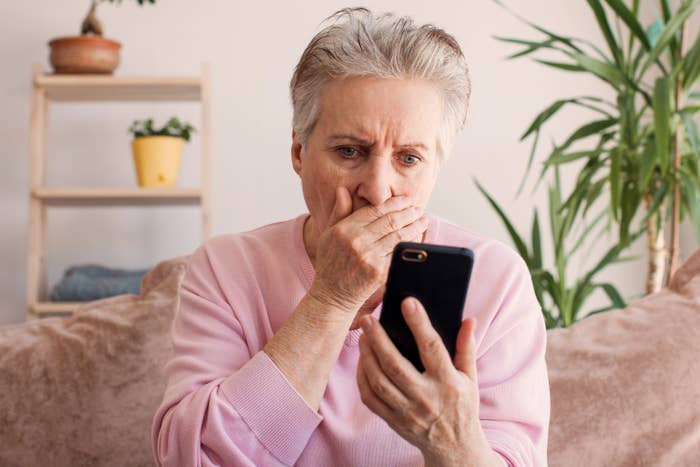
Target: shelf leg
36	229
205	182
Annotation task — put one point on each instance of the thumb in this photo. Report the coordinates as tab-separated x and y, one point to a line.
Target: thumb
465	355
342	207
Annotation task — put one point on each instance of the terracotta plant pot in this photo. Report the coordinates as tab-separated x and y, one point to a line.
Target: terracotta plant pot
84	54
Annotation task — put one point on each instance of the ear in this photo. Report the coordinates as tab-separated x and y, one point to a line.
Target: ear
296	153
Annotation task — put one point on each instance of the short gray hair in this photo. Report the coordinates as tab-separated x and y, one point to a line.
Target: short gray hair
358	43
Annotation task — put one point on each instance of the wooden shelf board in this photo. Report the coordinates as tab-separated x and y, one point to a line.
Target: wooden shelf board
117	196
77	88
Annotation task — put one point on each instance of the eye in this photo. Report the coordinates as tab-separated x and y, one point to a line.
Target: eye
347	152
410	159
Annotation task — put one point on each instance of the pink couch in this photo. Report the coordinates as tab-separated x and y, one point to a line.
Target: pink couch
81	391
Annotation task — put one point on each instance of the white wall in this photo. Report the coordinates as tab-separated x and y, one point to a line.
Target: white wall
252	48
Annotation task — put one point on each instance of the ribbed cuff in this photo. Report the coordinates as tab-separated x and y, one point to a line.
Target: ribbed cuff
274	411
502	444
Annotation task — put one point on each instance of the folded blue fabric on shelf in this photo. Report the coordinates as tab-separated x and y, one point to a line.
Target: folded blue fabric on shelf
93	282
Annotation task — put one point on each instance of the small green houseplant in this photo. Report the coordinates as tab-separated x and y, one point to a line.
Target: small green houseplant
173	127
157	152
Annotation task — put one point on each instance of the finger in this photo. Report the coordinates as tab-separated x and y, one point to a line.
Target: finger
370	399
370	213
387	243
432	350
465	356
378	381
395	366
342	207
395	220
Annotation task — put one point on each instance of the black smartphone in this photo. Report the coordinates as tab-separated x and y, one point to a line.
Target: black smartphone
438	276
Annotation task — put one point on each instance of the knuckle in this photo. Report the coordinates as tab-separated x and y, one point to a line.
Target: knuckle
424	404
375	211
431	344
355	244
433	413
408	232
393	223
372	275
405	234
364	260
337	230
363	393
451	392
427	415
363	348
361	382
392	370
415	425
429	408
379	388
368	266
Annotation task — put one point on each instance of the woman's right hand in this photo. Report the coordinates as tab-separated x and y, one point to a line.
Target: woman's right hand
354	251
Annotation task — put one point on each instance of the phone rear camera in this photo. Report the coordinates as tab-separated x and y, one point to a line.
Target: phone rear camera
416	256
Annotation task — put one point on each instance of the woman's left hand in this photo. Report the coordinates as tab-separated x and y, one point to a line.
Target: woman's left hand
436	411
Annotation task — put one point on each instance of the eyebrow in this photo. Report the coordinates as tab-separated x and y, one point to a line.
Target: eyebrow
364	142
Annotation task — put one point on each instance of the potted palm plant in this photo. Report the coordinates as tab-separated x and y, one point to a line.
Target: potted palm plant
641	149
157	152
89	52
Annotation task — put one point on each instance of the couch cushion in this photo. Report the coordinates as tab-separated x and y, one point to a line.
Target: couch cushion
625	385
82	390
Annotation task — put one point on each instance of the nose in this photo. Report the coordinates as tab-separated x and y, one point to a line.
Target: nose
377	181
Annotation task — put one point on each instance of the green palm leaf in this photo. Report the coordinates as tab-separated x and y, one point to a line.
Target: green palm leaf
662	115
630	20
669	32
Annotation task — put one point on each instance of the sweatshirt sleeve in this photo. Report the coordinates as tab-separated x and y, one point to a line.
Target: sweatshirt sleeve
225	403
513	379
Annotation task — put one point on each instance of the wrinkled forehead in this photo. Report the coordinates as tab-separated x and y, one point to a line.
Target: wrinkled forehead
372	107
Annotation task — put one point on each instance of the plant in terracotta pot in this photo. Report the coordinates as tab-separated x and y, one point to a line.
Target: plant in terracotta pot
157	153
89	52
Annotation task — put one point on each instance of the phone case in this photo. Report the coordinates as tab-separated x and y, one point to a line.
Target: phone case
439	281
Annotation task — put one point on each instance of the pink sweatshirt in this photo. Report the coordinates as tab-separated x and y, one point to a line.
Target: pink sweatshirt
227	404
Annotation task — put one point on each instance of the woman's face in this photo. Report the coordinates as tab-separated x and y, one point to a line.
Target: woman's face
377	137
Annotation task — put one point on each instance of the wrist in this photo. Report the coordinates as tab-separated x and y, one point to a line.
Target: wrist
307	346
474	452
330	304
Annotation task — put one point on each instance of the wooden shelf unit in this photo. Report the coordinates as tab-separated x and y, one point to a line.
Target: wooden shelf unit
48	88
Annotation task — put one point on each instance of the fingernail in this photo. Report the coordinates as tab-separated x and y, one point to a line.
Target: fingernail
412	308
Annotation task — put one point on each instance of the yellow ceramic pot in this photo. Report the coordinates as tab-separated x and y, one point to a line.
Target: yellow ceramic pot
157	160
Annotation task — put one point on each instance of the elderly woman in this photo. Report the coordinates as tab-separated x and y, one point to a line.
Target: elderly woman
279	356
